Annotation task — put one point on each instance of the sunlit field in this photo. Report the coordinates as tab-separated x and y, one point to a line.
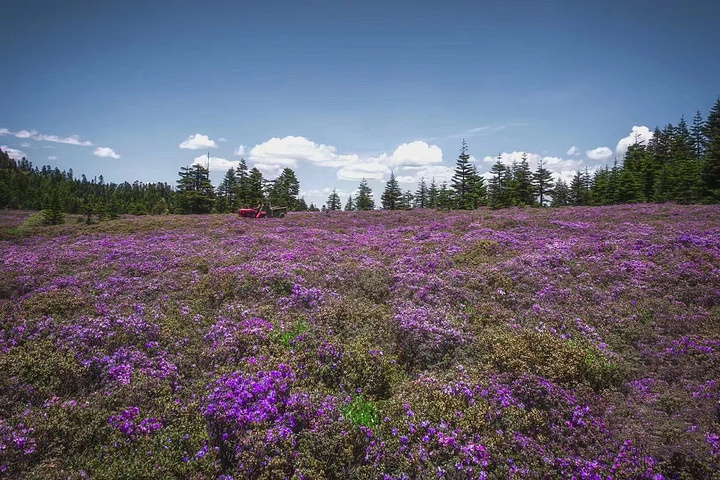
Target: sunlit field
522	343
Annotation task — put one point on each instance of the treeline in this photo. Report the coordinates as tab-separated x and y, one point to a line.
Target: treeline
680	163
25	187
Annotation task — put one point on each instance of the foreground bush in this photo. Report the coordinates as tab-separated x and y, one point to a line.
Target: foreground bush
567	343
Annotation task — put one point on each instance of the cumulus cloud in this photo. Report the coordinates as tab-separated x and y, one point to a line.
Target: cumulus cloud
12	152
573	151
290	150
52	157
371	169
417	153
599	153
105	152
25	134
641	134
440	173
217	164
198	141
240	151
4	131
222	139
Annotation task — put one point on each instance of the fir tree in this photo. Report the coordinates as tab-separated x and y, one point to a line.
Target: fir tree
445	197
53	213
301	206
433	194
462	180
696	134
561	194
195	192
499	185
406	201
225	201
333	201
283	191
422	199
522	177
392	195
364	199
349	205
542	183
711	164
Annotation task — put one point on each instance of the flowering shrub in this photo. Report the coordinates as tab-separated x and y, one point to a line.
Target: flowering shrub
536	344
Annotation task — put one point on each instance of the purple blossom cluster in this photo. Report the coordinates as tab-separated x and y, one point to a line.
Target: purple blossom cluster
523	343
127	423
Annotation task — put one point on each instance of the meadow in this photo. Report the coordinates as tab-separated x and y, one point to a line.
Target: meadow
570	343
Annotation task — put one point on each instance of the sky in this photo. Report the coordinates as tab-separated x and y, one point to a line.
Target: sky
343	90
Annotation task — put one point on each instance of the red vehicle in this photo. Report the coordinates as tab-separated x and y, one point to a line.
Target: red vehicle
251	213
266	211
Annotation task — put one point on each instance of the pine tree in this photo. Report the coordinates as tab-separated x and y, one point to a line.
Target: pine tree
333	201
422	199
561	194
364	199
462	180
283	191
392	195
711	163
600	187
226	199
687	169
406	201
445	197
499	185
242	185
195	192
255	190
522	177
433	194
301	205
542	183
696	134
349	205
53	213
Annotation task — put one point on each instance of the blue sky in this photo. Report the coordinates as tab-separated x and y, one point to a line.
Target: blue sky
341	90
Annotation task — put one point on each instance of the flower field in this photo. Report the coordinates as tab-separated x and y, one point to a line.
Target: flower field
523	343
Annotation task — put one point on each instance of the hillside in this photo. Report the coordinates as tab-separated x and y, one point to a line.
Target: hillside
575	342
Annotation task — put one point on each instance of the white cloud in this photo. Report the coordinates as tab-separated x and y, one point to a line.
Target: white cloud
217	164
25	145
12	152
440	173
25	134
573	151
289	150
41	137
240	151
641	133
105	152
416	153
599	153
371	169
71	140
222	139
198	141
52	157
